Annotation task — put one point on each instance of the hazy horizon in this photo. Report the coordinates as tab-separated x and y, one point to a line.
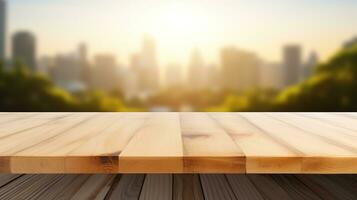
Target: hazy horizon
118	26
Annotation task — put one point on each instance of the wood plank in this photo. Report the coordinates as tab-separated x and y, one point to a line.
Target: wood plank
157	187
55	151
264	152
165	186
11	118
18	126
27	186
339	120
17	145
61	186
339	160
6	178
349	182
243	188
128	187
96	187
295	188
216	186
70	189
315	153
207	147
155	148
187	187
326	188
178	143
269	188
105	147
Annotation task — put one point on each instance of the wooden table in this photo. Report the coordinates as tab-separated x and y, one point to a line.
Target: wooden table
178	142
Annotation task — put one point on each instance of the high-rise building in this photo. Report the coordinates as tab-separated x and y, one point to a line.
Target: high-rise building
174	75
2	29
24	49
105	72
292	63
271	75
66	72
197	77
350	43
310	65
128	83
240	69
84	64
145	66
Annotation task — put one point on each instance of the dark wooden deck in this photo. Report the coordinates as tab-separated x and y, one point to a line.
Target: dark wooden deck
187	187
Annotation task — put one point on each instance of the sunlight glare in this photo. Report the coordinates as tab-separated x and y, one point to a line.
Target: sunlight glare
176	24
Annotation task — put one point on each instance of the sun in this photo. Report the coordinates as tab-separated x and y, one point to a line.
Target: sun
176	21
178	28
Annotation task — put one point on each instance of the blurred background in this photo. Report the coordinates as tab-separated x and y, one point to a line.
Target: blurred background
162	55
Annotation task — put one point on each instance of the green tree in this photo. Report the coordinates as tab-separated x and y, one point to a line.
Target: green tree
25	91
333	87
21	90
251	100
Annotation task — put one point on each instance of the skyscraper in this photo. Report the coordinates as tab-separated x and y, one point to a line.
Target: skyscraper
174	75
350	43
24	49
84	64
310	65
196	71
292	62
2	29
148	54
105	72
240	69
145	66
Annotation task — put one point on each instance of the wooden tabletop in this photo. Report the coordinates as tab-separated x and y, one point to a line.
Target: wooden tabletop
178	142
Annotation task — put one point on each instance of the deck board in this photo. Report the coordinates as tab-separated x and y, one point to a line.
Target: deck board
316	143
178	186
158	187
188	187
127	187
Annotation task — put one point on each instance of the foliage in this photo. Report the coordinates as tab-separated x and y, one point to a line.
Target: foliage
93	101
251	100
24	91
333	87
179	97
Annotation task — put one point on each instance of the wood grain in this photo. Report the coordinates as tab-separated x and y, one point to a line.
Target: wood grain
216	187
155	148
324	187
187	187
243	188
307	145
264	151
269	188
157	187
279	143
178	187
207	147
128	187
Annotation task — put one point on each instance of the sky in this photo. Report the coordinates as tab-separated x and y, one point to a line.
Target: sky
179	27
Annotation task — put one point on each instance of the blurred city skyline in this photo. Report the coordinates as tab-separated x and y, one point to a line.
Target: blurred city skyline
116	55
117	27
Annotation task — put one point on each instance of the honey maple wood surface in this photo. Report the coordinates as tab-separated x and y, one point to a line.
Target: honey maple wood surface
178	143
